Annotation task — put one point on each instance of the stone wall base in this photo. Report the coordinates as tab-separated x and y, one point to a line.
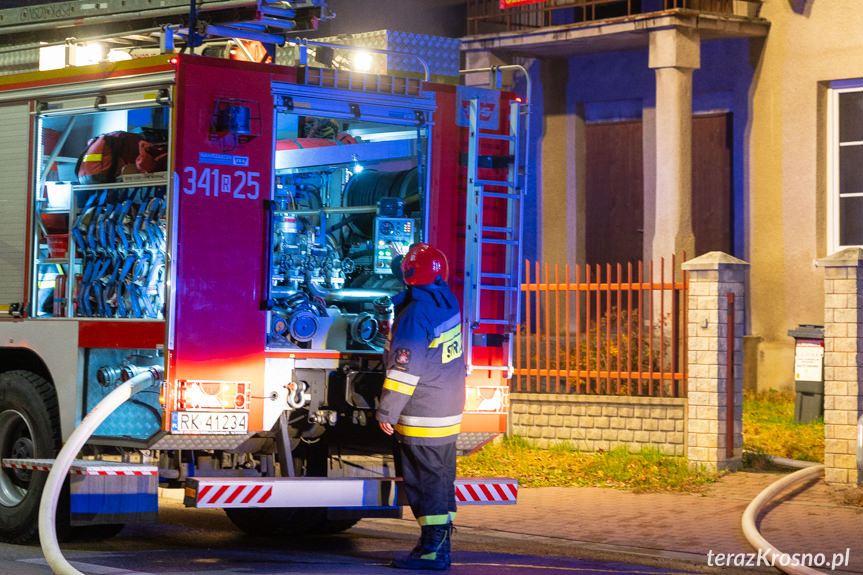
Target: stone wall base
594	422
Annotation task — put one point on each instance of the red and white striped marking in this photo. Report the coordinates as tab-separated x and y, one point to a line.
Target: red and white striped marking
227	492
82	467
486	491
115	472
28	466
241	494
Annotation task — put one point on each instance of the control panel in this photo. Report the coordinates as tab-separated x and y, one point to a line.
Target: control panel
390	232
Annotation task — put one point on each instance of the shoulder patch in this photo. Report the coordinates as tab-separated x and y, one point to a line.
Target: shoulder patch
402	356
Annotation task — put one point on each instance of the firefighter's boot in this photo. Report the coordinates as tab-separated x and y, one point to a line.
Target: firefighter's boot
432	551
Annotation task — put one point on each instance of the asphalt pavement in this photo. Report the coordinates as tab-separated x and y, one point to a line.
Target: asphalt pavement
552	531
700	531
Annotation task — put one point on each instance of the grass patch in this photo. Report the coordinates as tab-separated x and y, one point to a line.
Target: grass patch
768	427
562	466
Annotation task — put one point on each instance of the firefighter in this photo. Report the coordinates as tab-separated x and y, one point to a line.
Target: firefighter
423	399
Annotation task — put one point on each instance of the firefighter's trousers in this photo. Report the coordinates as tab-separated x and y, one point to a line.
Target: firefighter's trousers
428	473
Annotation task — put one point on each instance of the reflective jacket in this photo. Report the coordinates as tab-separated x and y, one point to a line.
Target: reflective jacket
423	394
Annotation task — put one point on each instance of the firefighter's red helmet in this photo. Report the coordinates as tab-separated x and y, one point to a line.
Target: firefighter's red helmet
423	264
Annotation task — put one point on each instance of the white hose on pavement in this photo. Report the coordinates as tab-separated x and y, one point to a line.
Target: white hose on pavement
754	508
51	491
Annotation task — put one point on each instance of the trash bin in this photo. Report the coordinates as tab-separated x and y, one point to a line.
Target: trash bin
808	372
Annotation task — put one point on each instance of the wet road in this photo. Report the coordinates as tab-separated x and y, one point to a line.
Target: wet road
197	541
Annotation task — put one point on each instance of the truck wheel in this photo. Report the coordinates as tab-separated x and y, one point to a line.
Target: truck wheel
272	521
328	526
29	428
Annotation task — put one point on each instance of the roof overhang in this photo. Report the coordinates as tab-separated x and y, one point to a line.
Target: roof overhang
614	34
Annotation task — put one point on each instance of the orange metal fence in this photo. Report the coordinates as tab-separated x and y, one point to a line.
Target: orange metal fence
612	330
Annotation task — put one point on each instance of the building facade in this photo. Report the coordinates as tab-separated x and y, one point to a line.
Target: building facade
673	127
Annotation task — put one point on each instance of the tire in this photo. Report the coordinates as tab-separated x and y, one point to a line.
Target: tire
29	428
272	521
287	521
328	526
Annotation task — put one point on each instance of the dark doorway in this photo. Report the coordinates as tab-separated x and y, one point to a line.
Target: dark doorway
711	183
615	188
615	192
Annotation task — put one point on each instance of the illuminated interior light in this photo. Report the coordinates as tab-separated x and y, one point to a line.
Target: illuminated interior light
118	56
88	54
52	57
362	61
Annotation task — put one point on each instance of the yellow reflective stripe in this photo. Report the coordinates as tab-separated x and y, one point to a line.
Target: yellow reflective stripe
412	431
445	336
433	520
93	157
399	387
452	516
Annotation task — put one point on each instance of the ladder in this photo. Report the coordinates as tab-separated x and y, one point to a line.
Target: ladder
501	274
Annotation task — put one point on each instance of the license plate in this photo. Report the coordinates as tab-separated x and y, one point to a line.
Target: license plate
209	422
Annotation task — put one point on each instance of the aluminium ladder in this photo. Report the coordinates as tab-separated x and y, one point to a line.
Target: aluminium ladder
494	274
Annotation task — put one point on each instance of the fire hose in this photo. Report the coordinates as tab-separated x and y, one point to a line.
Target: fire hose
807	471
51	492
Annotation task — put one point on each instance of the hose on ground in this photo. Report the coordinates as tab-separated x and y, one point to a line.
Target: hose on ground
754	508
57	475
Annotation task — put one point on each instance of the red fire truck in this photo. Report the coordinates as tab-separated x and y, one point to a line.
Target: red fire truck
229	227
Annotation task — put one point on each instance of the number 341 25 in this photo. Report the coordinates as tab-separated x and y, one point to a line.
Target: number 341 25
213	182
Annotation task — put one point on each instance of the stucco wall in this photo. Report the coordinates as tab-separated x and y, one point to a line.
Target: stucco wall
810	43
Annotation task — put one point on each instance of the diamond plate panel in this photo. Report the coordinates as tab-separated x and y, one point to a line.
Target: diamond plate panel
470	442
226	442
19	61
442	54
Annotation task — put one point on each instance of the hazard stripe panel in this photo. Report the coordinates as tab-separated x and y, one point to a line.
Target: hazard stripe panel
486	491
221	492
85	467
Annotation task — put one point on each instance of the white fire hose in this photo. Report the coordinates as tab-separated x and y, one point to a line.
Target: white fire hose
808	471
57	475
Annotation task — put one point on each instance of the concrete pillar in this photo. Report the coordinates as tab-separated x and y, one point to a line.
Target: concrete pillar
674	54
843	349
711	278
557	172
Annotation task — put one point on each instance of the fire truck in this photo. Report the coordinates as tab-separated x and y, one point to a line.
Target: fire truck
241	254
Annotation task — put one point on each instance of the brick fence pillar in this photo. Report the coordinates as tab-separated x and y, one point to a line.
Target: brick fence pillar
711	278
843	350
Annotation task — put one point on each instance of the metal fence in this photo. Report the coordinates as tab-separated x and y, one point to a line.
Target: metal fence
611	330
487	16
